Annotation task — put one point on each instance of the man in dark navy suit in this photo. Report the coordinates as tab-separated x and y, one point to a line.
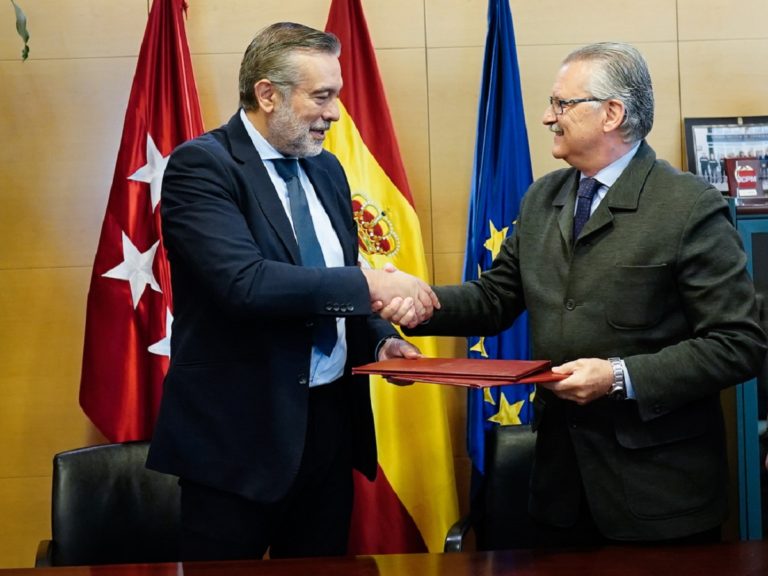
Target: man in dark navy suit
261	418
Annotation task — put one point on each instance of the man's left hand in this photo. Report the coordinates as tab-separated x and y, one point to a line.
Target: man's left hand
397	348
588	380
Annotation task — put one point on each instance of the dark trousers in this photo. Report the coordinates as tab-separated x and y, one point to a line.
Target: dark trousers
311	520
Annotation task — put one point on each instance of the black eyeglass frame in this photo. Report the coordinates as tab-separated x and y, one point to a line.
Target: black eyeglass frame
561	104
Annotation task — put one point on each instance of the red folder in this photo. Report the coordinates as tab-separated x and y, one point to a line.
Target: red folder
472	372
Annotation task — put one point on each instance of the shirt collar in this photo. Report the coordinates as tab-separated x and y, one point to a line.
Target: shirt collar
264	148
608	175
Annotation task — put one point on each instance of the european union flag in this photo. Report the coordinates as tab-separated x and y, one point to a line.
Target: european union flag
501	175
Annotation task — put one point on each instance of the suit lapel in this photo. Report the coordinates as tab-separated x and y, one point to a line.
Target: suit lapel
566	200
260	185
624	195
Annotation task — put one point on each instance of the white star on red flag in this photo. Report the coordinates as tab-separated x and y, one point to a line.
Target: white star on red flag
136	268
163	347
152	171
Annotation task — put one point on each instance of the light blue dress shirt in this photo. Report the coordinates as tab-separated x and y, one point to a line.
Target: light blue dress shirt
323	369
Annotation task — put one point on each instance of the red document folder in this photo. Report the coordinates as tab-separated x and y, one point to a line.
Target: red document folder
470	372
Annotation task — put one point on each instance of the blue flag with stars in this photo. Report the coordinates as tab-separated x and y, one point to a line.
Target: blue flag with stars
501	175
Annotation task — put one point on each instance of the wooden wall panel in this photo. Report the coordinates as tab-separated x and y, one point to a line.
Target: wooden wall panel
552	22
403	73
721	19
456	23
26	506
718	80
395	23
42	314
665	137
61	122
216	77
61	116
62	29
454	83
216	26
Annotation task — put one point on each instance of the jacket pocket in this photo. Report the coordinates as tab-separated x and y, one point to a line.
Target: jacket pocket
673	465
638	296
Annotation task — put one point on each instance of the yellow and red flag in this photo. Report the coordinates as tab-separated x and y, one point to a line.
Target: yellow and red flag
412	503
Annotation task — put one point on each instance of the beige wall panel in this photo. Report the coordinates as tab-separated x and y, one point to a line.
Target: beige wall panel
665	137
61	122
449	266
391	23
394	23
454	84
538	67
718	80
454	23
555	22
722	19
26	506
216	78
464	22
75	29
403	73
219	27
42	321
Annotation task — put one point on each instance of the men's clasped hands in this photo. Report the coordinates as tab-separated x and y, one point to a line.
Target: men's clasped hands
399	297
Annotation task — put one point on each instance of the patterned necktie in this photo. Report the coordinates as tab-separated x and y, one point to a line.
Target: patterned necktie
325	335
585	193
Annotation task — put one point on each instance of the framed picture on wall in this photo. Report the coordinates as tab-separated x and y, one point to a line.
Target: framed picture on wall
709	142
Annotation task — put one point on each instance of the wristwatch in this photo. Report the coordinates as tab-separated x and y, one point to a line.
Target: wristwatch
619	389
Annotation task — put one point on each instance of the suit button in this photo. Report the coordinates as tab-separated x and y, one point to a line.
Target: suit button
343	308
351	307
303	380
657	409
570	304
309	323
336	308
329	307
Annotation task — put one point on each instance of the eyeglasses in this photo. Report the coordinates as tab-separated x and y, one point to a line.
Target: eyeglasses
559	106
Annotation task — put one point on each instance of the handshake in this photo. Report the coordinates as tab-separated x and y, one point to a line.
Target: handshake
399	297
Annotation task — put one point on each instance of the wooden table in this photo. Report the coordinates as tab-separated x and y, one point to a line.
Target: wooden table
727	559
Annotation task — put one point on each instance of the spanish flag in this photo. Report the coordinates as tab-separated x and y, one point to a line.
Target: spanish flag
412	503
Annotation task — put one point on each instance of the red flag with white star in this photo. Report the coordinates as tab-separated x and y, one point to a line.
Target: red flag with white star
129	313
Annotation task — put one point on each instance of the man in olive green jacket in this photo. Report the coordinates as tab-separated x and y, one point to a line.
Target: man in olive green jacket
648	309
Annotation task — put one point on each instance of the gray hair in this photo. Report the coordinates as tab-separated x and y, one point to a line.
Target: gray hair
621	74
268	56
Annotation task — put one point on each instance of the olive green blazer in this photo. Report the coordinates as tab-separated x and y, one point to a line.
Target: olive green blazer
657	277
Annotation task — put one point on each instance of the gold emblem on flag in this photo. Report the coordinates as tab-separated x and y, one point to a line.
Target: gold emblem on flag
374	229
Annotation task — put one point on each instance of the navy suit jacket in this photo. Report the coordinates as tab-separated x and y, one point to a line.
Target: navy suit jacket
234	407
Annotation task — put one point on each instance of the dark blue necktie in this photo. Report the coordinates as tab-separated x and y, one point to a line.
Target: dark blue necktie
325	335
585	193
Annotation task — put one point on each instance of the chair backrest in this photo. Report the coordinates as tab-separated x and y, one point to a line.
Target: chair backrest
504	521
107	508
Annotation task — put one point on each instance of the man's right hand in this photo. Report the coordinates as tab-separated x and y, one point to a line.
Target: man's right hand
400	297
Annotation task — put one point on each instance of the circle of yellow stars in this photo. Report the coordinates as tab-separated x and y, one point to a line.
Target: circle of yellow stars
507	414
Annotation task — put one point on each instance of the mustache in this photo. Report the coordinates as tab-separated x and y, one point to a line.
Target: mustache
321	126
555	128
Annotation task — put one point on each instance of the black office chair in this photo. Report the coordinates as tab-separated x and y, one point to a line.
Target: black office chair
107	508
499	511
